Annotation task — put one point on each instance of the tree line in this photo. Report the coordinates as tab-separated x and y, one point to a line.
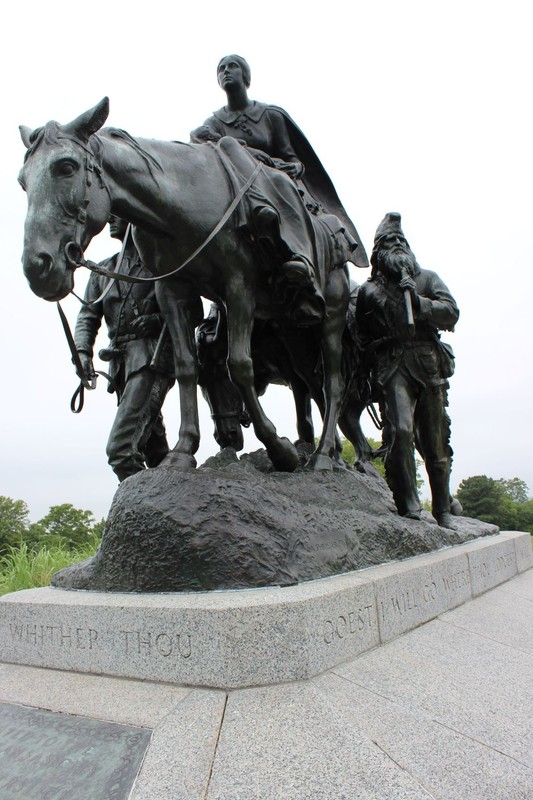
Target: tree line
504	502
64	526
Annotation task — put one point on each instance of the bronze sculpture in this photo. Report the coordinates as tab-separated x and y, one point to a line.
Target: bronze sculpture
289	356
139	356
270	134
93	174
217	220
400	311
273	136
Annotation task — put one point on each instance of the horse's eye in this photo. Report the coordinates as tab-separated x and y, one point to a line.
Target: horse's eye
66	169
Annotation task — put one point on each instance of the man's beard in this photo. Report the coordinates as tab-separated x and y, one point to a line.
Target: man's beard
393	264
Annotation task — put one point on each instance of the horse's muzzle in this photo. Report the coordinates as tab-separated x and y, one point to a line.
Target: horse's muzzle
46	278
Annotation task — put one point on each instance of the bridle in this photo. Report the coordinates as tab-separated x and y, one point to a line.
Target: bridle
93	167
74	250
74	256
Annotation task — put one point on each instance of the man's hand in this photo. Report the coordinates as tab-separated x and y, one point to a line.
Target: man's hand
146	325
88	377
407	284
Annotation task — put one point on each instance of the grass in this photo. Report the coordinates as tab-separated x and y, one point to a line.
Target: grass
25	568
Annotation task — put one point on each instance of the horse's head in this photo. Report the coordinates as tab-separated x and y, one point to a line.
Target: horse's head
68	201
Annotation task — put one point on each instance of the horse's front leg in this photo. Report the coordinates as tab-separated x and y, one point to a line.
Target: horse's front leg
304	416
240	307
180	311
337	296
350	425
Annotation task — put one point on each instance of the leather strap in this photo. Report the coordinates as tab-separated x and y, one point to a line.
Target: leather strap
229	211
78	398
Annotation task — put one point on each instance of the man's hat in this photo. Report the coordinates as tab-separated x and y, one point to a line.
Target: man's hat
391	223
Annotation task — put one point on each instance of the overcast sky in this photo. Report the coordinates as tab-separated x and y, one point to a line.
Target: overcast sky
418	107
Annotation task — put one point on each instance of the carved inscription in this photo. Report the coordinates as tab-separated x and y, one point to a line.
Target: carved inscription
456	580
55	635
130	642
417	597
162	643
493	567
349	624
409	599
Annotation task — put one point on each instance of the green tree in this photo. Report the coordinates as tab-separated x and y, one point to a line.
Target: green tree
515	488
525	516
486	499
67	525
98	528
14	521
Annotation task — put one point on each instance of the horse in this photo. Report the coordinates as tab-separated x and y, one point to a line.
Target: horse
290	360
271	365
181	201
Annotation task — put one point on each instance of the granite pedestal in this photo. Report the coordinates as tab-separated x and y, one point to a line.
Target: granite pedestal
442	711
230	639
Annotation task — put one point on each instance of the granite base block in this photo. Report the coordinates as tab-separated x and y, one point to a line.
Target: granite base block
411	593
491	566
523	548
230	639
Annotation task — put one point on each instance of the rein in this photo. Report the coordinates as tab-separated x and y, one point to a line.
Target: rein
78	398
114	275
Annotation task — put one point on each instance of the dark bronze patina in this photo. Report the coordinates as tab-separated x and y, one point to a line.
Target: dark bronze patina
141	368
400	311
91	175
247	217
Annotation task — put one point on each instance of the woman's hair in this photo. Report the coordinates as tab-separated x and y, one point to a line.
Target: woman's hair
246	71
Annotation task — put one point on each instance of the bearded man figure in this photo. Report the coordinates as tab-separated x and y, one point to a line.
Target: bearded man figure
400	311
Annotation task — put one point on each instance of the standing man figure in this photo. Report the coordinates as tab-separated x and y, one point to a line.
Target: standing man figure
400	311
137	438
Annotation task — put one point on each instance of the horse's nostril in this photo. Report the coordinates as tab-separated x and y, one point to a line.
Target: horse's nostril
45	263
74	254
38	268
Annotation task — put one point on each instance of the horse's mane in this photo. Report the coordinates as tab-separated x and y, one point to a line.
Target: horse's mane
52	132
149	159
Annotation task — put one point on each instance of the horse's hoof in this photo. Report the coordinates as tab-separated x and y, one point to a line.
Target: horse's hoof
179	460
284	455
304	448
320	462
366	468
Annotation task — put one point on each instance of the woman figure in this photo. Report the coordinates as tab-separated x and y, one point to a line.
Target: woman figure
255	124
271	136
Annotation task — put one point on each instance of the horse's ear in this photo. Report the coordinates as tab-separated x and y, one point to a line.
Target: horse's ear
90	121
25	134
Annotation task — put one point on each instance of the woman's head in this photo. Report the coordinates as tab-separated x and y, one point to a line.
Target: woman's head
228	65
